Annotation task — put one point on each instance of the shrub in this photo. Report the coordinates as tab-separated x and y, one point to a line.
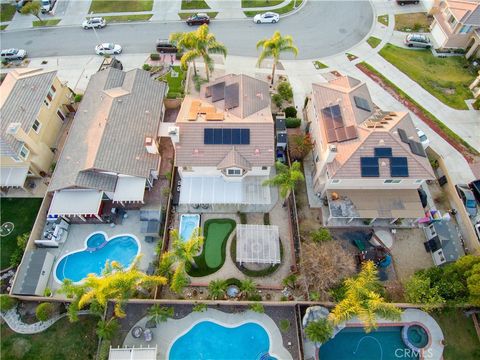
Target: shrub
319	331
321	235
285	91
277	99
44	311
255	297
292	123
154	56
78	98
266	219
47	292
16	256
283	298
147	67
290	111
7	302
284	325
200	307
257	307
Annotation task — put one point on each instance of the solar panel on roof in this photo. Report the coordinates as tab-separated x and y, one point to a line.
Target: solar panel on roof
341	134
232	99
208	136
227	136
369	167
331	135
417	148
218	91
245	136
399	167
328	123
403	136
236	140
217	136
383	152
351	132
361	103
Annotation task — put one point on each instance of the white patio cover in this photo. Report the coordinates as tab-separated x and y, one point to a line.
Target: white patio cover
216	190
258	244
133	353
75	202
129	189
13	176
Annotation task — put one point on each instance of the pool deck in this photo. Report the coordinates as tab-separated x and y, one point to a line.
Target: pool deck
165	334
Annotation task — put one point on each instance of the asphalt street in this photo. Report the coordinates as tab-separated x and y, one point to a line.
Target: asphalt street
320	29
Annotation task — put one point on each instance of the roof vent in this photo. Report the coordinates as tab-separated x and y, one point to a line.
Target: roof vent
381	142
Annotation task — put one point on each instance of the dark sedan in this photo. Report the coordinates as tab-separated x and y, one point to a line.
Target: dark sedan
198	19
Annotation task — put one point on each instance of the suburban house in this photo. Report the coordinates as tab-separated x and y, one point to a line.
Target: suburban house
456	25
366	163
225	145
33	107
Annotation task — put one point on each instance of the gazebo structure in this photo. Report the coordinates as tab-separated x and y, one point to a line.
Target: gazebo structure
258	244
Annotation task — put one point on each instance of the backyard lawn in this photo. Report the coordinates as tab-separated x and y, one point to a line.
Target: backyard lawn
22	213
461	341
62	341
107	6
445	78
176	85
6	12
216	232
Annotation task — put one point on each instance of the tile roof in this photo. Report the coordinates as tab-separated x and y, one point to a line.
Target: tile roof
466	12
119	109
234	159
21	96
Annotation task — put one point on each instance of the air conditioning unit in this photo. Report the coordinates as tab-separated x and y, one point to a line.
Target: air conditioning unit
331	153
174	133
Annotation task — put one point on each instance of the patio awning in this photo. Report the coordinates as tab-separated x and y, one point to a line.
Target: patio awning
216	190
129	189
75	202
133	353
32	276
375	203
258	244
13	176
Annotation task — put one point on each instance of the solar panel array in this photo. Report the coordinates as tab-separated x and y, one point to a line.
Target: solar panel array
403	136
217	91
232	93
398	167
226	136
335	127
369	167
417	148
361	103
383	152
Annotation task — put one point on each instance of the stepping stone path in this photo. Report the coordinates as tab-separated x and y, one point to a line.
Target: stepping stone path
6	228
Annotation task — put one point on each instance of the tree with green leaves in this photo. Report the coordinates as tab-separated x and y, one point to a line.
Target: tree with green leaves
217	289
299	145
363	299
34	8
185	250
200	307
247	288
107	329
159	313
419	290
321	235
199	44
179	279
286	179
16	256
274	47
319	331
44	311
257	307
290	281
7	302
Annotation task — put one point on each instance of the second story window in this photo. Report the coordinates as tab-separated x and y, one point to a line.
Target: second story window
51	93
24	152
36	126
234	172
465	29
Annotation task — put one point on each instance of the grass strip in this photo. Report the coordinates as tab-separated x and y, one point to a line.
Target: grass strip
127	18
111	6
185	16
42	23
283	10
383	19
194	4
6	12
373	41
260	3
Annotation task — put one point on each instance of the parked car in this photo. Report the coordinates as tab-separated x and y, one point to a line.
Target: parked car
108	49
166	47
423	138
13	54
467	198
418	40
265	18
407	2
47	5
477	230
97	23
198	19
475	187
21	4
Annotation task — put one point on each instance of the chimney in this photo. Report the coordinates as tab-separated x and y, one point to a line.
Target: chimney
331	153
151	145
174	133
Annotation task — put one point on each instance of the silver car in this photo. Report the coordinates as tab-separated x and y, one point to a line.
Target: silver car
13	54
418	40
97	23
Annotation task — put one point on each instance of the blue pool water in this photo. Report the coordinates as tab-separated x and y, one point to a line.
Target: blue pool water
77	265
385	343
188	222
208	340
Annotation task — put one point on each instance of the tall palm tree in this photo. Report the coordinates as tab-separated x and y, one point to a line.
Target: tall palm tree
273	47
363	300
247	288
287	178
319	331
159	313
107	329
217	289
179	279
199	44
186	250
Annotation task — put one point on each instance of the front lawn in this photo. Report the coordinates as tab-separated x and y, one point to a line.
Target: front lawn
51	22
373	41
3	27
176	85
212	258
6	12
461	341
61	341
22	213
283	10
445	78
109	6
127	18
185	16
413	22
260	3
194	4
383	19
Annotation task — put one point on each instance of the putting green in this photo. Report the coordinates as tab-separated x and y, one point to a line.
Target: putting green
216	233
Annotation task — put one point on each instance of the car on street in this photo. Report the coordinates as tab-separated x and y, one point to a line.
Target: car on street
165	46
407	2
477	230
13	54
418	40
423	138
467	198
47	5
97	23
198	19
108	49
475	187
266	18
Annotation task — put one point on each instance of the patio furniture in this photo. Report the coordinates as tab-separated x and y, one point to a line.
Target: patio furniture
137	331
151	324
148	335
150	222
359	244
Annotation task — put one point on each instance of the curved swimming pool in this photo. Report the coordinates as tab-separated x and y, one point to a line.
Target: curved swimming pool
77	265
209	340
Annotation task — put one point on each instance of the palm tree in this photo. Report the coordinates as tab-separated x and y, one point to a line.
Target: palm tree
159	313
199	44
107	329
319	331
186	250
217	289
286	178
33	7
247	288
363	300
290	281
273	47
179	279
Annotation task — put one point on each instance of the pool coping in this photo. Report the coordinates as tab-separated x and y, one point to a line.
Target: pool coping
108	239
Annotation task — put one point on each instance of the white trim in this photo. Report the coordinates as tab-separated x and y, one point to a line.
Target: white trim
392	181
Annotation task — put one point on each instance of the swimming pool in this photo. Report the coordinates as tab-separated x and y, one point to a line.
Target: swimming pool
385	343
209	340
188	222
77	265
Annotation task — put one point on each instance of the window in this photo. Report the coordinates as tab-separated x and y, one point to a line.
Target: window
234	172
392	181
16	158
452	21
466	29
24	152
51	93
335	181
36	126
60	114
264	167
